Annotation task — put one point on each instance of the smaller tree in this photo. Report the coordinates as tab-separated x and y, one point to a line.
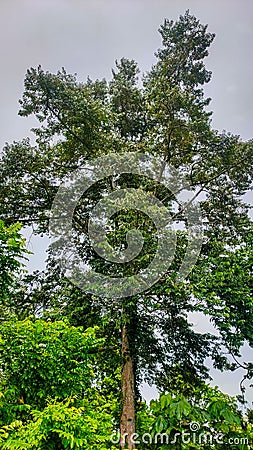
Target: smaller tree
51	397
42	360
199	418
12	251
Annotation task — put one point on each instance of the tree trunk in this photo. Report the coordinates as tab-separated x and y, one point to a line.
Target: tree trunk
127	421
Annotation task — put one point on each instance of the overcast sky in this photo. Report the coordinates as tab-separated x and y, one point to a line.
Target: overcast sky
87	36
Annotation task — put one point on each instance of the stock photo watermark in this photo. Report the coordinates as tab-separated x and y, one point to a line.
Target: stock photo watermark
76	185
194	437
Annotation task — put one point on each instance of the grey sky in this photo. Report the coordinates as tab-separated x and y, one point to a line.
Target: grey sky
87	36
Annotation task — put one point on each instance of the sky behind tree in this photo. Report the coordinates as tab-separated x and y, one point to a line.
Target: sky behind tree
86	37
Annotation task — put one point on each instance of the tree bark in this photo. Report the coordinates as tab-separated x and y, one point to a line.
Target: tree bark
127	421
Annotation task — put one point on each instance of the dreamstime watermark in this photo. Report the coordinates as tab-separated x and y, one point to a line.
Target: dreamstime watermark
76	185
193	436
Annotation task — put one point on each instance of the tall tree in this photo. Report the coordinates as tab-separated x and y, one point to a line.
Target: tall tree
164	115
